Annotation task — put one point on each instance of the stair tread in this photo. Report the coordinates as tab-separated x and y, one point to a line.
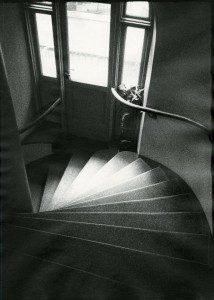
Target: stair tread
74	167
119	161
73	282
130	266
94	164
175	203
178	221
176	244
133	169
142	180
165	188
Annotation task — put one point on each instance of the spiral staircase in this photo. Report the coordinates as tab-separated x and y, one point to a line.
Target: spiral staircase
108	225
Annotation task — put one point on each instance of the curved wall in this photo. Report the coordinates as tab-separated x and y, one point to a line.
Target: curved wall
181	83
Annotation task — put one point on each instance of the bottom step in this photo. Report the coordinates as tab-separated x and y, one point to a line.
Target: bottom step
186	246
161	275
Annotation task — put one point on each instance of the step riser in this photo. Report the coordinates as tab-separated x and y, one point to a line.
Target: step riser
162	189
118	264
178	245
143	180
181	222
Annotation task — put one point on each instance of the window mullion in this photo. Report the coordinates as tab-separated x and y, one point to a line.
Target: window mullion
122	52
33	44
58	30
36	42
144	58
114	47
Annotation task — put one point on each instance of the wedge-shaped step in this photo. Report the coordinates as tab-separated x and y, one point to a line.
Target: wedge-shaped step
71	283
133	268
119	161
54	176
95	163
178	245
177	203
165	188
75	165
173	222
135	168
140	181
37	172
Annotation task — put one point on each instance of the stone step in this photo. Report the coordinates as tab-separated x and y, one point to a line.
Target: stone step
187	246
162	189
163	275
188	222
118	162
145	179
74	167
97	161
133	169
175	203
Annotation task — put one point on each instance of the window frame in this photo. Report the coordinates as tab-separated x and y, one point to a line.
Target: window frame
118	24
124	23
110	56
31	11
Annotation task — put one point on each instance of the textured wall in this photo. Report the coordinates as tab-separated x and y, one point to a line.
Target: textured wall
14	46
15	193
181	83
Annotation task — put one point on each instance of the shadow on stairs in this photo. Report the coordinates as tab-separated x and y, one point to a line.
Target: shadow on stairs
108	225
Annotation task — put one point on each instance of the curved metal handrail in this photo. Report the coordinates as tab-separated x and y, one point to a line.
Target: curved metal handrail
42	116
159	112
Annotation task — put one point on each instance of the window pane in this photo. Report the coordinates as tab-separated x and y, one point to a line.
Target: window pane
46	44
132	55
139	9
88	33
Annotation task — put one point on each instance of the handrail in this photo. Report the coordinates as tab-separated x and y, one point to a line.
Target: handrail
42	116
159	112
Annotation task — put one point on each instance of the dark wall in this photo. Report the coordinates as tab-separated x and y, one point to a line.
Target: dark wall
15	193
16	56
181	83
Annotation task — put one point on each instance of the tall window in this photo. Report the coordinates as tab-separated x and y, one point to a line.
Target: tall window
135	23
46	44
100	37
88	38
41	34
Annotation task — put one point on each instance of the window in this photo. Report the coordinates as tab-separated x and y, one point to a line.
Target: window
88	39
46	44
134	40
41	35
135	24
137	9
86	29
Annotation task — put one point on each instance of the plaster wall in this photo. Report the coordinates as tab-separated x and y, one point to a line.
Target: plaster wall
180	83
16	57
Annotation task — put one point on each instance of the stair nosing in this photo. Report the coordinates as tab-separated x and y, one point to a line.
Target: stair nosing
116	213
